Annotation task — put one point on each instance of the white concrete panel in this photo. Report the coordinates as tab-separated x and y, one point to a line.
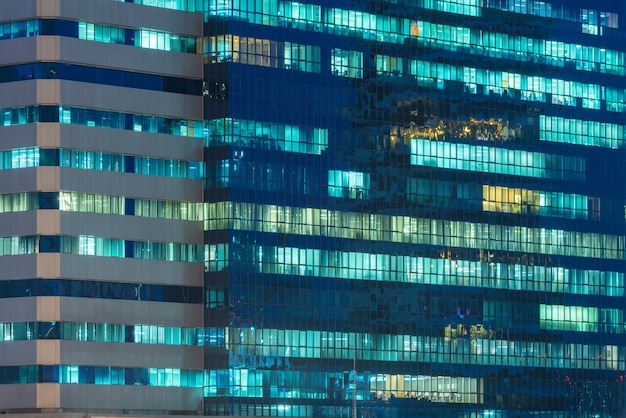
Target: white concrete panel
127	57
128	397
131	185
22	180
131	270
18	136
20	396
131	355
126	142
17	353
18	223
18	267
133	228
20	309
131	312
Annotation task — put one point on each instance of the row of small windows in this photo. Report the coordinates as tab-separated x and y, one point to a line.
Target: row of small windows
301	11
184	5
546	9
395	29
456	195
248	382
143	38
97	290
348	184
99	203
483	159
100	161
10	116
580	318
101	375
478	349
266	135
559	204
116	333
405	229
588	17
530	88
243	173
550	128
520	48
424	192
581	132
104	247
263	52
463	7
346	63
104	76
489	271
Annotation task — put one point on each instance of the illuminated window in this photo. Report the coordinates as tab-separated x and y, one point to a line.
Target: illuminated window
348	184
388	65
346	63
568	318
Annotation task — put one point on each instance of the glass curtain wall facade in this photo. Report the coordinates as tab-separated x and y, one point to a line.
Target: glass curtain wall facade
414	208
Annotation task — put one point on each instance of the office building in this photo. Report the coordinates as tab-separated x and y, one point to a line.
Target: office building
330	208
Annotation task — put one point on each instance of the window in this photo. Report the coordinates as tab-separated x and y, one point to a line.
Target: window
346	63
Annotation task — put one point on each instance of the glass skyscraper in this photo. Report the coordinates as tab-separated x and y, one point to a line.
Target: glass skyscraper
372	209
415	208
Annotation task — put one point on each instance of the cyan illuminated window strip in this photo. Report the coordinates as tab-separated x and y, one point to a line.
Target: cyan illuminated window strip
101	247
430	35
538	202
11	116
346	63
520	48
183	5
462	7
530	88
571	318
587	17
100	161
103	76
101	375
247	381
387	65
428	192
99	203
267	135
561	12
262	52
580	132
528	7
455	156
406	229
433	271
104	333
99	290
143	38
483	349
117	205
